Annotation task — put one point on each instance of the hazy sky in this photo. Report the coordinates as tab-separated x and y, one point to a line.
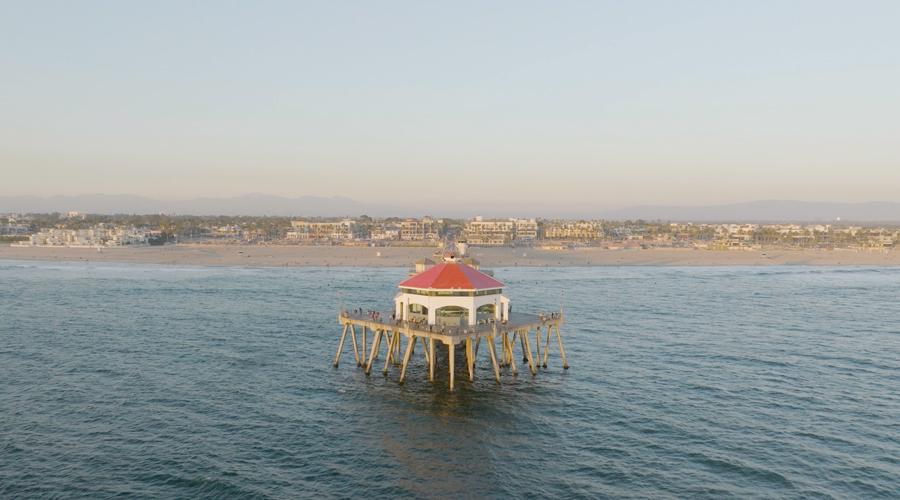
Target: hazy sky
514	104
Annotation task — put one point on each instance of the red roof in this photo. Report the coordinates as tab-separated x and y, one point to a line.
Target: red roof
452	276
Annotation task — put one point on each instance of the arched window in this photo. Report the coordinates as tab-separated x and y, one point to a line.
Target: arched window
418	309
417	312
452	315
485	312
486	309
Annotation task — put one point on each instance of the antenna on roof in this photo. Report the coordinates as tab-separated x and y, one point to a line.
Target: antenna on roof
561	296
340	302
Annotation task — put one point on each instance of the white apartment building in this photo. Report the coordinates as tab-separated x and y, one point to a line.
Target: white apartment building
93	237
420	230
480	232
573	230
303	230
384	234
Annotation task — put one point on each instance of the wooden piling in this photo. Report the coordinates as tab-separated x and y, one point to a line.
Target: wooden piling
512	362
387	359
452	349
355	346
490	342
561	352
470	357
362	347
425	348
431	363
409	349
546	347
528	353
376	343
341	345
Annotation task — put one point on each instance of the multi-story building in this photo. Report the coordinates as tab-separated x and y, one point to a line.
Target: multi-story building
420	230
384	234
480	232
591	230
227	231
525	230
303	230
96	236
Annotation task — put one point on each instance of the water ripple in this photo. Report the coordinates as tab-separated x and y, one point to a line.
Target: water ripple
198	382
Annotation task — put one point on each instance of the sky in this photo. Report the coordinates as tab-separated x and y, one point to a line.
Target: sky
544	105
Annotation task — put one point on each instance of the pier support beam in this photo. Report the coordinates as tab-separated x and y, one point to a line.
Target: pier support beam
355	346
491	350
409	349
394	350
425	348
452	349
431	362
523	341
561	352
546	347
341	345
528	352
537	339
387	359
509	347
362	347
470	358
376	344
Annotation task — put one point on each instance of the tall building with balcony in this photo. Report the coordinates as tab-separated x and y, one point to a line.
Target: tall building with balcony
591	230
420	230
334	231
500	232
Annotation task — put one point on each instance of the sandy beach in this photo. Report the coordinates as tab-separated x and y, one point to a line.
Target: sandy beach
298	256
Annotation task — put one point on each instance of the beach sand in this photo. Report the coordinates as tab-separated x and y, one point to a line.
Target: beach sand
298	256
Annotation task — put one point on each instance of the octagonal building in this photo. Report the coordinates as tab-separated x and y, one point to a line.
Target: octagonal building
451	293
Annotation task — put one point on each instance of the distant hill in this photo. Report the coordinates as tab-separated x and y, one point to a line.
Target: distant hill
261	204
762	211
249	204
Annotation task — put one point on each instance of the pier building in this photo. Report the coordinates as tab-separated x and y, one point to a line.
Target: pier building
456	305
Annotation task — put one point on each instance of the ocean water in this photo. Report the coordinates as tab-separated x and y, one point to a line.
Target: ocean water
199	382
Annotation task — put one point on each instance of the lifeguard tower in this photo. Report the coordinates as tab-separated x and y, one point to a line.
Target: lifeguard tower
456	304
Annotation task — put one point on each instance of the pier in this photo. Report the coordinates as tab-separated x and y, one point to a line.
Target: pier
456	305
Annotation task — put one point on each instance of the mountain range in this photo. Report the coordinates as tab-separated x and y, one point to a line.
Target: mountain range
249	204
261	204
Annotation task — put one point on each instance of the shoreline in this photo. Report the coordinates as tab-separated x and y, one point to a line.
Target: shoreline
494	257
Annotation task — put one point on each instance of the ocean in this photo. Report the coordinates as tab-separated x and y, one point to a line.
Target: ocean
150	381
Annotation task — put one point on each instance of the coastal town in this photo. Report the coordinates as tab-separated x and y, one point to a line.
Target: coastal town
78	229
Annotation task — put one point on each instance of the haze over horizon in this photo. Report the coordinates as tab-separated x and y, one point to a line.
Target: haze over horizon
564	107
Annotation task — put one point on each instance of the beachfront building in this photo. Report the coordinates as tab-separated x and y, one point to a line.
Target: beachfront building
100	235
384	234
420	230
334	231
500	232
127	236
561	230
227	231
451	293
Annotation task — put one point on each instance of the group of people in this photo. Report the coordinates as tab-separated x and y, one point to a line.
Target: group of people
545	317
373	315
